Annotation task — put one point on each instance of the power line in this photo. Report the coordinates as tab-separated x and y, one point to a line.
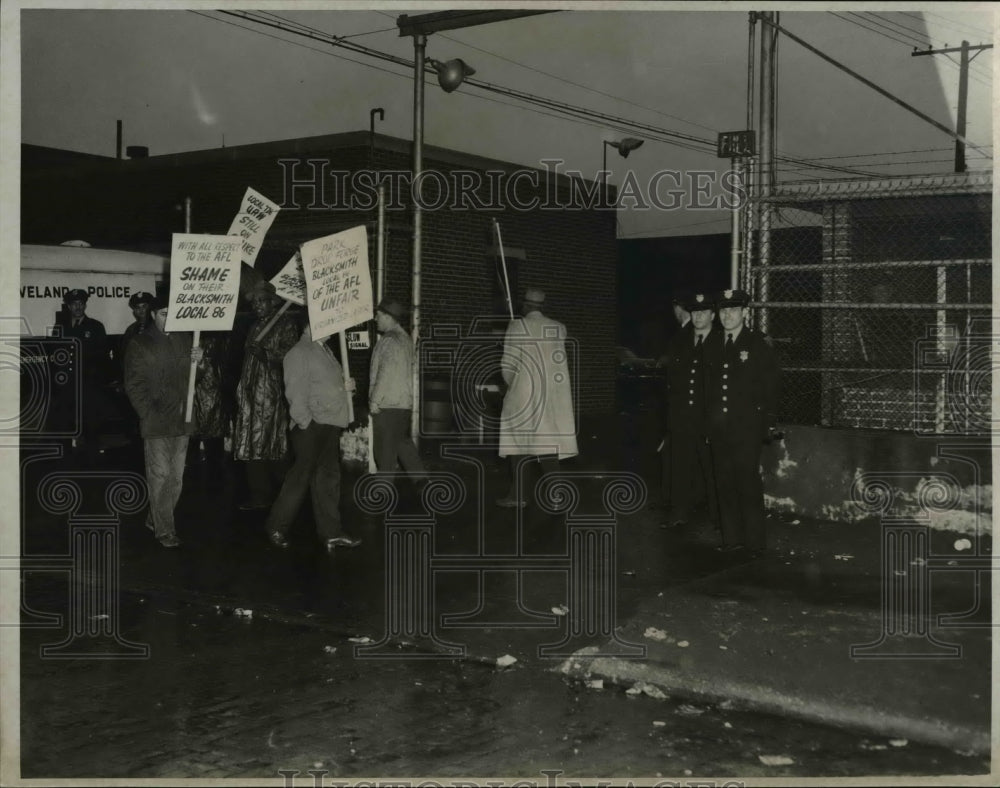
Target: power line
954	24
580	120
907	44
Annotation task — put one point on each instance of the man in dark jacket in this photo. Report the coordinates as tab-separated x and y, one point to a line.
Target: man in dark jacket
742	384
91	366
157	367
691	478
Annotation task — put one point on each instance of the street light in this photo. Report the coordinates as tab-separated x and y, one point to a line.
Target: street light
624	147
452	73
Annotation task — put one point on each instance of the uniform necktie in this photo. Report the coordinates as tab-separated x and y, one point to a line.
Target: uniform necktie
697	343
729	341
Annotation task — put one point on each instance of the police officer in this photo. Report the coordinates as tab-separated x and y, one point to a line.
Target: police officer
691	476
92	364
742	380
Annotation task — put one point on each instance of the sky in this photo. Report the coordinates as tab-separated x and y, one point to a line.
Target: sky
189	78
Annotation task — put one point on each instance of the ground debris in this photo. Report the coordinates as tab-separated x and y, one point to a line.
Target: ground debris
506	661
560	610
595	683
658	723
656	634
645	688
243	612
689	711
898	742
361	639
843	557
330	649
775	760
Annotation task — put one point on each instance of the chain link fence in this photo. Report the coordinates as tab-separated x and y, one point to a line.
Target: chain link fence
877	297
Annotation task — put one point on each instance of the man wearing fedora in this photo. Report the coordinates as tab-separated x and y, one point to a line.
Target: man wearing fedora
157	368
260	432
92	365
691	479
742	386
390	393
537	418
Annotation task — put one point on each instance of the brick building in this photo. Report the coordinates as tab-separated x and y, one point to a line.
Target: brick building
554	235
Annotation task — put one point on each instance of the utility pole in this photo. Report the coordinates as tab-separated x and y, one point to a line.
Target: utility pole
963	92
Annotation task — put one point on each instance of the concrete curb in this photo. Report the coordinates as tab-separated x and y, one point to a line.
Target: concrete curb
588	663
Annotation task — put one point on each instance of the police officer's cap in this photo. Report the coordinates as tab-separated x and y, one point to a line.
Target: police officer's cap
140	298
729	298
699	301
76	294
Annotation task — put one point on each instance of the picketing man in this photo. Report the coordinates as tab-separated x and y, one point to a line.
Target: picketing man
390	394
691	479
140	304
91	367
318	398
741	387
157	368
537	418
260	434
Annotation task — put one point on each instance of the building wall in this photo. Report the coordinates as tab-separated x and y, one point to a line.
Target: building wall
570	253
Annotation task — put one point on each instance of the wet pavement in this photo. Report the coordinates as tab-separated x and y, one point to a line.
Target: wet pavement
228	695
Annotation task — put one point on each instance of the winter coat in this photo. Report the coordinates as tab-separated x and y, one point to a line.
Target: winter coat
537	415
261	429
157	367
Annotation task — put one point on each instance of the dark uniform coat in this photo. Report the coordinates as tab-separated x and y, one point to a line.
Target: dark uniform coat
741	394
691	478
92	367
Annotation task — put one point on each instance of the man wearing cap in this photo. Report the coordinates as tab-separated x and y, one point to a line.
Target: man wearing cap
157	367
742	384
390	393
691	478
139	303
318	406
93	364
260	434
536	419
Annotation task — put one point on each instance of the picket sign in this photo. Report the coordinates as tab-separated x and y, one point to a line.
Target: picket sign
347	376
503	264
204	290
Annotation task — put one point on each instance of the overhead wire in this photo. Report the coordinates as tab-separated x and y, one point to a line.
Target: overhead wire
557	109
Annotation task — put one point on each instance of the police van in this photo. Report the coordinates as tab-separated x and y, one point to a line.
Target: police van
51	401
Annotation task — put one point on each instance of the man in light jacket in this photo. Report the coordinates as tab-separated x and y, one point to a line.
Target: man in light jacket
157	367
318	409
537	416
390	393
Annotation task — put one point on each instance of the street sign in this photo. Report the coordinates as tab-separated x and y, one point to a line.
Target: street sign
734	144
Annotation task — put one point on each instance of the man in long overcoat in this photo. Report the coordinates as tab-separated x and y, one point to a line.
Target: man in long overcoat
537	418
691	478
742	386
260	434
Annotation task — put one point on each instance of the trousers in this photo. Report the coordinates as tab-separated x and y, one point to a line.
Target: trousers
392	442
740	492
316	468
165	477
